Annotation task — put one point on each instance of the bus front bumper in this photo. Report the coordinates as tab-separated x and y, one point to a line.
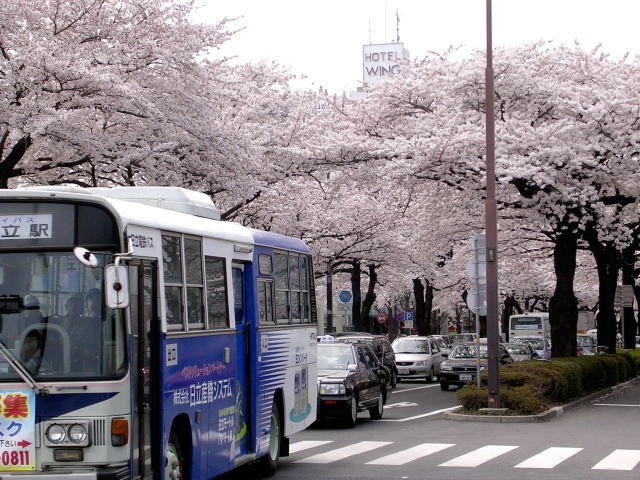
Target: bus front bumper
107	473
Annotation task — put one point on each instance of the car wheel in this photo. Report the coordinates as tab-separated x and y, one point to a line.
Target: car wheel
430	375
394	378
352	414
444	386
269	463
376	412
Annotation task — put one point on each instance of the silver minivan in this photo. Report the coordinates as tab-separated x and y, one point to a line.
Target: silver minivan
417	358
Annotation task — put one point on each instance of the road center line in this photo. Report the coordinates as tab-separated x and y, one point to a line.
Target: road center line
415	388
428	414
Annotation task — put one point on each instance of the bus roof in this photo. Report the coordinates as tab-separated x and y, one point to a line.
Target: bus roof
165	208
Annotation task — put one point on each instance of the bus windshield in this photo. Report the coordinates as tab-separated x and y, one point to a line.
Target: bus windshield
58	326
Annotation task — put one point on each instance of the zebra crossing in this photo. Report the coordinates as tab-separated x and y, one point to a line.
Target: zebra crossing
303	452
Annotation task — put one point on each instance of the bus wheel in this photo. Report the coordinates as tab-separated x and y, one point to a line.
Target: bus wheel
269	462
174	467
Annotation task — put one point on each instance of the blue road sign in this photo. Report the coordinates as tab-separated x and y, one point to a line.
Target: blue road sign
345	296
408	316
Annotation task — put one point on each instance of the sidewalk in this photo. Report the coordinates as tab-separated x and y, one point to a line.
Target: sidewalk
544	416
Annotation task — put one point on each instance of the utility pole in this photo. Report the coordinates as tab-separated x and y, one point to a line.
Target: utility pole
491	228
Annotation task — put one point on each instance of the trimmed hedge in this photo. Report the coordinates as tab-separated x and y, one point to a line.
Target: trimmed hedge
531	387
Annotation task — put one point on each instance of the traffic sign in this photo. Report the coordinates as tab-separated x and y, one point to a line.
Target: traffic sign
477	300
400	316
408	316
345	296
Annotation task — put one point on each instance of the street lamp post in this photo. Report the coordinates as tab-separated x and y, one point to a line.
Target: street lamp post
491	228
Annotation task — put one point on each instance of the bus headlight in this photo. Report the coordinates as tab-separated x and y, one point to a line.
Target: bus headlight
67	433
56	434
77	433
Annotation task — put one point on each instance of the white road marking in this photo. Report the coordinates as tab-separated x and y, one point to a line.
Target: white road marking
411	454
342	453
428	414
613	405
397	390
619	460
549	458
479	456
401	405
307	444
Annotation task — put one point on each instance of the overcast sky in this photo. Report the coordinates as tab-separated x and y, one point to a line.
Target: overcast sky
323	39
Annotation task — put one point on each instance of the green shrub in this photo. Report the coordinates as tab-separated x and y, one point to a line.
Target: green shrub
473	398
610	369
522	400
572	373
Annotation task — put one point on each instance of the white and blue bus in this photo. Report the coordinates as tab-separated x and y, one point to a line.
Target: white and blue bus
142	337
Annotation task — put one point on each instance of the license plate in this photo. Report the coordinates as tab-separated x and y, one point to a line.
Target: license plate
466	376
403	371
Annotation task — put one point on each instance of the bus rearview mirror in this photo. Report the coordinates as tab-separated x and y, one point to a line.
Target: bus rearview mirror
116	286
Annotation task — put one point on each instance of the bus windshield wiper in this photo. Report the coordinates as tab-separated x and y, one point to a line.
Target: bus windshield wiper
21	370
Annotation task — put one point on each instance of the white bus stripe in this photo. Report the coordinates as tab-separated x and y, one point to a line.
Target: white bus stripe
410	454
549	458
479	456
342	453
619	460
306	444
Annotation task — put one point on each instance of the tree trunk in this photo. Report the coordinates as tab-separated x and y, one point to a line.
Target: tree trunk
8	165
428	307
369	298
563	308
628	316
511	306
418	295
356	305
608	262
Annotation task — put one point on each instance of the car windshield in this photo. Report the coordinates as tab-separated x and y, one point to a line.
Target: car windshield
410	346
334	357
585	341
533	342
517	349
461	338
469	350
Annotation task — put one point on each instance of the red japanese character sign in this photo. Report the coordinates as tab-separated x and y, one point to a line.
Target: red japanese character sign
17	430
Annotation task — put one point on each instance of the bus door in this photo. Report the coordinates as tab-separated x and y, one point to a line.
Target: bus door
145	328
242	362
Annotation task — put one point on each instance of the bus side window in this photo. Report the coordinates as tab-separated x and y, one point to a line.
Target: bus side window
218	312
265	294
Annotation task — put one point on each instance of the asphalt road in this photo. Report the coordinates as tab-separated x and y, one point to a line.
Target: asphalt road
598	440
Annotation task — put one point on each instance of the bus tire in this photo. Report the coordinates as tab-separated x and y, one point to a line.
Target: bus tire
269	463
174	466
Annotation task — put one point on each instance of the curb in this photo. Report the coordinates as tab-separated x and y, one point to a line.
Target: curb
540	417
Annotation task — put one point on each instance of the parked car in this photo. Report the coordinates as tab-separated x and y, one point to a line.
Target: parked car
541	345
586	344
380	345
443	343
417	358
350	380
520	351
458	338
461	366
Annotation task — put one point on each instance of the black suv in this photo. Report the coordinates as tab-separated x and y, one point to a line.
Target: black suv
380	346
350	380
